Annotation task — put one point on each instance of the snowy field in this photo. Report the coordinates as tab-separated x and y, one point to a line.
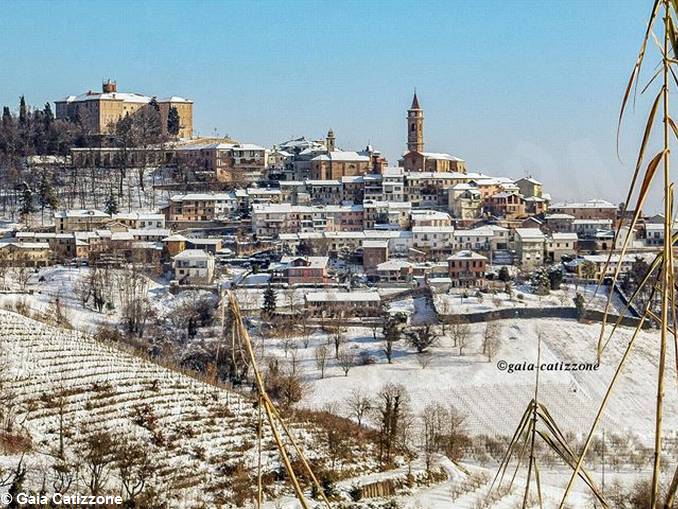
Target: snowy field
493	399
462	302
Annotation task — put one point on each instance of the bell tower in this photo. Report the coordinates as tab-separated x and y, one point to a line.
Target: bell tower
415	126
330	141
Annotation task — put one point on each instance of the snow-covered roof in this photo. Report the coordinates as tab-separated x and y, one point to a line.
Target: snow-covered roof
342	155
440	156
158	232
311	262
375	244
550	217
481	231
591	204
247	146
530	180
25	245
203	197
192	254
343	297
592	221
122	236
433	229
80	213
467	254
564	236
147	216
628	258
427	214
393	264
529	233
129	97
174	99
175	238
323	182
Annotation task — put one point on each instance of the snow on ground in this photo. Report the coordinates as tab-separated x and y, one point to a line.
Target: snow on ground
460	301
195	431
493	399
66	282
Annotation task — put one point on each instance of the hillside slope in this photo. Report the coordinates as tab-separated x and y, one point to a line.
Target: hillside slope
202	438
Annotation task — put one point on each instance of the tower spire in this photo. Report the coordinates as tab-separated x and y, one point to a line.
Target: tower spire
415	101
415	126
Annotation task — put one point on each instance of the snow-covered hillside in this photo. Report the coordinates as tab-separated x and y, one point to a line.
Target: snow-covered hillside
202	437
494	399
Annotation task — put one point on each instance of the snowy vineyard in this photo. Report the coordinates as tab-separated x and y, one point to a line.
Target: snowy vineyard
65	386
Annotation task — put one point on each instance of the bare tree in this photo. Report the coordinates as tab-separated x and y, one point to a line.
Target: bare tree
97	456
358	405
338	338
321	359
132	285
442	432
305	329
346	360
391	335
459	330
135	467
391	408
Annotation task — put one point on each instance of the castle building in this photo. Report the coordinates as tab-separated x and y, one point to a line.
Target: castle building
416	159
99	111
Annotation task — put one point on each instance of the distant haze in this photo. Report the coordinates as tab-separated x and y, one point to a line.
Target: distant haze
512	87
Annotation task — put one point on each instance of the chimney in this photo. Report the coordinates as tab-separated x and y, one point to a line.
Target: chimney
109	87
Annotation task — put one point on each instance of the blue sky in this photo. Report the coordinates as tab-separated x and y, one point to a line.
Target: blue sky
513	87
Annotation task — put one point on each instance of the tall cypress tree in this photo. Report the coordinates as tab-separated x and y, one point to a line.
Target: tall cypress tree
46	195
26	202
49	115
23	112
173	121
269	301
6	116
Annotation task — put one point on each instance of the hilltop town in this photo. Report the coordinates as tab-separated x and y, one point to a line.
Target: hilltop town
361	282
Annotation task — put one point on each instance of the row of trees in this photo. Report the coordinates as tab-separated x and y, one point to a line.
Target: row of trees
437	429
35	131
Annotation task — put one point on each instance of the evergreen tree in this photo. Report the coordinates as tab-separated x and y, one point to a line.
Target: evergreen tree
541	282
150	123
173	121
48	115
6	116
269	301
504	274
46	195
555	278
23	112
111	206
26	202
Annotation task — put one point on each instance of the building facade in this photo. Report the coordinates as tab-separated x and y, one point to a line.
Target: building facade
100	111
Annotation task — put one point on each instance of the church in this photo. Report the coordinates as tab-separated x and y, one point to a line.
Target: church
416	159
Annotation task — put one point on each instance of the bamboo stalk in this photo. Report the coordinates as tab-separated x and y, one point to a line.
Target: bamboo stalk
531	462
666	272
267	404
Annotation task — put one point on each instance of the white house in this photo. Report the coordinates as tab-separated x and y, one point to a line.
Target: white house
530	247
194	266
